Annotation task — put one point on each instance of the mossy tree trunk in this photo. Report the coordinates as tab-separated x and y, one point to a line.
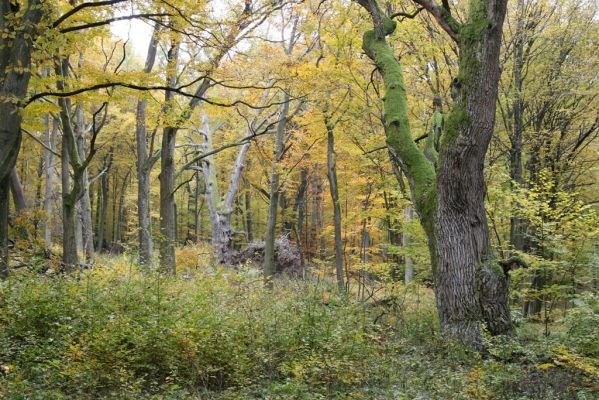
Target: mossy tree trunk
449	199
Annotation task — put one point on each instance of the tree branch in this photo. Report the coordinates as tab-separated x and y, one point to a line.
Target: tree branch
406	15
108	21
80	7
145	88
443	18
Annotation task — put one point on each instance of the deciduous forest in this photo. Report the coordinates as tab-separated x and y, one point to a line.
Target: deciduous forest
299	199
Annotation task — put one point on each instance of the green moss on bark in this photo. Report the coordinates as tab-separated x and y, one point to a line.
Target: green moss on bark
397	125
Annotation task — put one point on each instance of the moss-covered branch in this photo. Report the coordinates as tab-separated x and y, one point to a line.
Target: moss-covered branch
420	172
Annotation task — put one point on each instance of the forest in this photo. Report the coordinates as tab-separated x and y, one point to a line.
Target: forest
299	199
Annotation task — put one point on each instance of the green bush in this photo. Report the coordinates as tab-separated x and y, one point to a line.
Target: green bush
114	333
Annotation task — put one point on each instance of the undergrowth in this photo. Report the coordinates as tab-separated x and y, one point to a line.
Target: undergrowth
117	333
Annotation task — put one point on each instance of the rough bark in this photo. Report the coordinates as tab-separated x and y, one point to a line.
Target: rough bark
167	175
468	273
144	165
69	241
450	201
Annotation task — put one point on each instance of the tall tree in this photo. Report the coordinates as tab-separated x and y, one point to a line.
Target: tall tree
144	163
20	22
470	288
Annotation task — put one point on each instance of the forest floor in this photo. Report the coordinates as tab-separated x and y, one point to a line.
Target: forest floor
115	333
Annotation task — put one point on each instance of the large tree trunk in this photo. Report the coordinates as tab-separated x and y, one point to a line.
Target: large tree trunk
69	240
220	210
469	283
332	175
15	72
144	167
470	289
167	175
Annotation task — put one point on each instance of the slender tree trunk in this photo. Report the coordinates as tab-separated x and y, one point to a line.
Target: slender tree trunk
269	246
4	202
409	272
18	195
249	223
85	218
517	224
121	210
50	142
144	167
332	175
103	206
300	208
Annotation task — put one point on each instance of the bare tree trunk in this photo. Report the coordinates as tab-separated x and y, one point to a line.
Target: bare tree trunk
121	210
4	202
167	176
332	175
249	223
104	183
144	164
15	72
50	142
85	218
300	208
269	246
18	196
220	210
517	224
409	272
69	240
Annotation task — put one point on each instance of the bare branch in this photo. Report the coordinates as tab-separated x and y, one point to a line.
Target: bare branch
443	18
81	6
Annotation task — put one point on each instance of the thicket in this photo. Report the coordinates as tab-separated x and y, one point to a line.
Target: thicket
115	332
